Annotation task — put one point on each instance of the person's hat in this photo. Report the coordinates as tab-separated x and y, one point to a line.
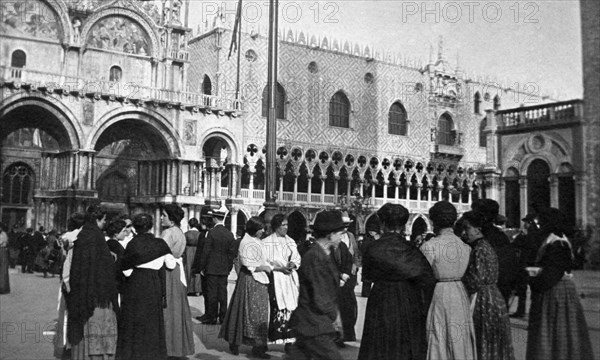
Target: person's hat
329	221
219	213
529	218
346	218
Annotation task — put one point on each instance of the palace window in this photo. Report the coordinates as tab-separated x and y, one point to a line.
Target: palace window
397	122
339	110
477	103
496	102
279	102
17	183
446	134
17	62
115	74
482	134
206	86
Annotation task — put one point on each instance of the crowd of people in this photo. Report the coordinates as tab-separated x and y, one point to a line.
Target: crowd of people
124	291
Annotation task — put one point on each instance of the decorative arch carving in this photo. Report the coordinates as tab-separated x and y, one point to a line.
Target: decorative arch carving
548	147
9	14
231	141
69	121
143	20
154	119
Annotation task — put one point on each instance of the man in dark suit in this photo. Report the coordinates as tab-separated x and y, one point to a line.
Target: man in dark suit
216	261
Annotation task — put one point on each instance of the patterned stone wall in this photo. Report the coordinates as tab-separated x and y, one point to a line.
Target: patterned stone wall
590	13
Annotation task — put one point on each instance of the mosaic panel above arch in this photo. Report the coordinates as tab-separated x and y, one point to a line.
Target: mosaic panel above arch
119	33
31	18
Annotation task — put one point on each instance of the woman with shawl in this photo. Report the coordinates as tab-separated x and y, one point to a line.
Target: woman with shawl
284	289
141	322
92	299
557	326
490	315
61	345
403	282
247	318
449	322
178	318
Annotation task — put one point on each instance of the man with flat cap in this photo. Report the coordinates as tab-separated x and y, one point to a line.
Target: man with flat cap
317	318
216	262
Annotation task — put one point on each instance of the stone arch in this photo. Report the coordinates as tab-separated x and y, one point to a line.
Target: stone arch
411	223
61	13
528	159
63	114
145	22
230	139
154	119
297	224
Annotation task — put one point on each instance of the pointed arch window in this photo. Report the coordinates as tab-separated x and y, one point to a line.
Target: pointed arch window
17	184
206	85
397	119
17	62
497	102
115	74
446	134
482	134
280	100
477	103
339	110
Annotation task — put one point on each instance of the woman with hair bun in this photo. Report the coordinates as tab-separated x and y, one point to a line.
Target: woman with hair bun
178	318
557	326
141	321
403	282
449	322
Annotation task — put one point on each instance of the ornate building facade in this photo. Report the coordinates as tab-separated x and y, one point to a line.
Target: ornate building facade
117	102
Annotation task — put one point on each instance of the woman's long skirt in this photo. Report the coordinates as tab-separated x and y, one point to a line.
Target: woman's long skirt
99	337
557	326
193	280
178	317
348	308
492	325
4	280
247	318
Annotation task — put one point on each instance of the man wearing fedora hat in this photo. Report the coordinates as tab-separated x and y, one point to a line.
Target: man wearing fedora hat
526	244
216	262
317	318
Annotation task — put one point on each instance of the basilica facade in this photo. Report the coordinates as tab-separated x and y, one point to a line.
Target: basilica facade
121	102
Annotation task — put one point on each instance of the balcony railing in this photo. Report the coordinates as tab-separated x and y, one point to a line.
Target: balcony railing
546	114
120	90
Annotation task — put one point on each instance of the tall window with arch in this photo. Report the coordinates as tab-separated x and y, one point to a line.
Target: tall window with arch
445	131
397	119
17	184
206	85
115	74
280	99
497	102
477	103
339	110
17	62
482	134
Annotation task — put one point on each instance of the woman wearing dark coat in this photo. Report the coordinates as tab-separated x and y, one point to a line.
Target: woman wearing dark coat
396	312
141	322
557	326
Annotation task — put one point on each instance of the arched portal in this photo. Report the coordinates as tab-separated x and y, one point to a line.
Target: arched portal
218	154
538	186
297	226
419	227
17	193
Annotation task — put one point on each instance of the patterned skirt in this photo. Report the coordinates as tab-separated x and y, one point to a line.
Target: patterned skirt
557	326
492	325
99	337
247	318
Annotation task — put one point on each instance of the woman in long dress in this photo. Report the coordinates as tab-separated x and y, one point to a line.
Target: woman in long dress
141	321
247	318
284	289
449	323
4	257
403	283
178	318
490	315
92	299
557	325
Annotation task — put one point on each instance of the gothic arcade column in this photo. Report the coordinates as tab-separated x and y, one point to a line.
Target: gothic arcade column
580	199
523	193
553	179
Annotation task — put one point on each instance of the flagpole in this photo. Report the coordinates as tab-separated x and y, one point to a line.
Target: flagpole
271	166
239	52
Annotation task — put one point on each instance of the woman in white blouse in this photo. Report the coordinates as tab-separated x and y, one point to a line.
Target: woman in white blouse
247	318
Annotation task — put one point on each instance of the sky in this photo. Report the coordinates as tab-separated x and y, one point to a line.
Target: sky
533	45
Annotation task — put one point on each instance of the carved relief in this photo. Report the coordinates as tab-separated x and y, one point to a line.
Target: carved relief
29	18
119	33
190	132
